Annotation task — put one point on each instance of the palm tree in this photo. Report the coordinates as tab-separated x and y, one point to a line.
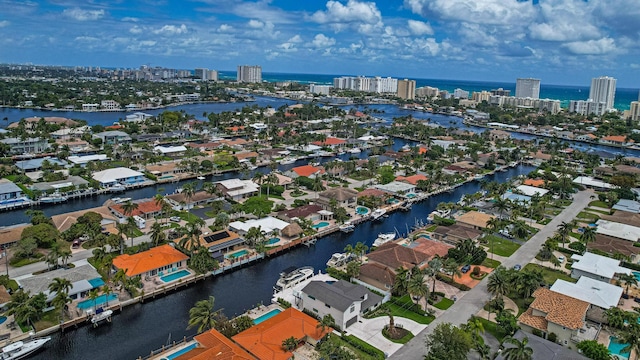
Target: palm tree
202	315
129	207
159	202
258	177
434	267
360	249
93	295
588	235
326	322
493	226
501	205
401	281
474	326
628	280
417	288
192	231
521	350
157	233
289	344
122	228
499	283
61	288
189	190
222	220
451	267
564	229
254	235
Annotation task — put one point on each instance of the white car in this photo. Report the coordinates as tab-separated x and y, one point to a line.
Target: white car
561	259
175	218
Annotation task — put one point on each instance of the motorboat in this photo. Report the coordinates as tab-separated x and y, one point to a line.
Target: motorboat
384	238
438	213
117	188
355	150
340	259
101	315
347	227
119	200
290	277
287	161
378	214
200	177
406	148
53	198
478	176
22	349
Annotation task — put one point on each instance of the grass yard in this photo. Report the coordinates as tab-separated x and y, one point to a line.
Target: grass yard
431	228
403	340
600	204
356	349
49	319
444	304
403	310
492	328
550	275
500	246
491	263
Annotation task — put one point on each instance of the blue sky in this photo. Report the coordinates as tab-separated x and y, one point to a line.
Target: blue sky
558	41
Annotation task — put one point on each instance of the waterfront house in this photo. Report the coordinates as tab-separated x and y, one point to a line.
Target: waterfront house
147	209
180	201
171	151
474	219
32	122
63	222
220	242
331	142
68	184
539	183
309	211
265	339
152	262
552	312
236	189
35	164
618	140
597	267
344	301
397	188
118	176
20	146
269	225
10	193
166	170
396	256
586	137
305	170
344	197
11	234
83	279
531	190
113	137
377	275
210	344
413	179
84	159
455	233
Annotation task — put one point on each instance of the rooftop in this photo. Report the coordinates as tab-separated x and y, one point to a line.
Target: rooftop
395	187
144	207
531	190
474	218
342	294
598	265
267	224
40	283
592	291
394	256
115	174
7	186
560	309
214	345
307	170
151	259
620	231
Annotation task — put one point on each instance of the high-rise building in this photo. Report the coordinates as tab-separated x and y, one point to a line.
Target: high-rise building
603	90
460	94
587	107
634	111
427	91
319	89
407	89
249	74
501	92
480	96
528	88
206	74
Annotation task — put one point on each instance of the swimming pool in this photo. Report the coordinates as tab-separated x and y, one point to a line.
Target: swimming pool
238	254
615	348
165	177
102	299
272	241
425	236
393	201
175	275
320	225
3	319
637	275
180	352
411	195
361	210
97	282
266	316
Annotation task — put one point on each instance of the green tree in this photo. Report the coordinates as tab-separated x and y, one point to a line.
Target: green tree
202	315
628	280
289	344
520	351
202	262
499	282
448	342
564	229
594	350
353	269
326	322
452	267
158	236
417	287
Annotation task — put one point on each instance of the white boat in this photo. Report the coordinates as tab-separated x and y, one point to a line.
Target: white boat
384	238
406	148
22	349
101	315
478	176
438	213
200	177
339	259
287	160
347	227
355	150
117	188
53	199
291	277
119	200
378	214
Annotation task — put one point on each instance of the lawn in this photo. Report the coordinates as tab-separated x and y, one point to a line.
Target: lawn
550	275
431	228
500	246
588	216
490	263
403	340
356	349
48	320
444	304
492	328
186	216
600	204
403	310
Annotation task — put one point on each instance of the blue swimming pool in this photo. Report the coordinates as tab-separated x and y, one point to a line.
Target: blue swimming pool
100	300
180	352
238	254
97	282
175	275
361	210
615	348
425	236
637	275
3	319
411	195
266	316
272	241
320	225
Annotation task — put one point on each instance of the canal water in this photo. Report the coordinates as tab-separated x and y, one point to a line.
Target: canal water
143	327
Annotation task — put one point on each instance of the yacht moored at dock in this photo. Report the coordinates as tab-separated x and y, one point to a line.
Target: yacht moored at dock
292	276
378	214
22	349
54	198
347	227
101	315
384	238
339	259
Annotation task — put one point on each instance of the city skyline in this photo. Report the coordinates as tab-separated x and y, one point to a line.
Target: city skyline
559	42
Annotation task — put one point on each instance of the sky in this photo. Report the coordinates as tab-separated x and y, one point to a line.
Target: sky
564	42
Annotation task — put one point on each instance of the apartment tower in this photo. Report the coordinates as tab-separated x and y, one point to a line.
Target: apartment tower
407	89
528	88
249	74
603	90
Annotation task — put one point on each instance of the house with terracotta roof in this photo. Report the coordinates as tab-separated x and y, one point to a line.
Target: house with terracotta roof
147	209
474	219
394	256
586	137
620	140
413	179
151	262
208	345
310	211
264	340
534	182
309	171
166	169
373	193
180	201
552	312
455	233
331	142
377	275
344	301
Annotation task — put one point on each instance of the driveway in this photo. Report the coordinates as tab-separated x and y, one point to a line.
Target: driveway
475	299
370	331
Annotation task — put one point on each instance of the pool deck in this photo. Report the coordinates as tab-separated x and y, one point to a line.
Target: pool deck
261	310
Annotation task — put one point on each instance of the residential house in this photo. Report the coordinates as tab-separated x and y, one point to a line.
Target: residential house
619	140
377	275
83	279
10	193
11	234
166	170
531	190
305	170
113	137
534	182
552	312
147	209
413	179
172	151
236	189
264	340
283	181
310	212
543	349
455	233
344	197
70	133
395	256
180	201
118	176
221	242
397	188
344	301
592	183
594	292
32	122
617	230
151	262
210	344
84	159
269	225
597	267
35	164
331	142
586	137
474	219
20	146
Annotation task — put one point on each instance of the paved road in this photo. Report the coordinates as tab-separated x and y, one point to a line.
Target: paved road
475	299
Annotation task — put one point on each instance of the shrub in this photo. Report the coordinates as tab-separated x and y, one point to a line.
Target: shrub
447	280
537	332
285	304
340	275
476	271
363	346
552	337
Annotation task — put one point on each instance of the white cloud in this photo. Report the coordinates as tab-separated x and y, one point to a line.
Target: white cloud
136	30
364	16
170	30
130	19
83	15
592	47
225	28
419	28
4	23
295	39
256	24
565	20
322	41
503	12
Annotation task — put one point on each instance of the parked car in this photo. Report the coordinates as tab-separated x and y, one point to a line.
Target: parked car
175	218
465	269
561	259
517	267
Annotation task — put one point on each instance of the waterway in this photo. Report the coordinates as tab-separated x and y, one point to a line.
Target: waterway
143	327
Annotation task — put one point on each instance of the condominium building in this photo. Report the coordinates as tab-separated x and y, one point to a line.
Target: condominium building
319	89
206	74
528	88
406	89
603	90
500	92
634	111
460	94
249	74
545	105
384	85
586	107
427	91
365	84
480	96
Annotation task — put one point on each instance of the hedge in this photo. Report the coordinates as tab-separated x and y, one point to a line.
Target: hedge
447	279
363	346
631	266
285	304
340	275
568	251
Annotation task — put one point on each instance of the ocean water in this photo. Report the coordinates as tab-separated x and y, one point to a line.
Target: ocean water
564	93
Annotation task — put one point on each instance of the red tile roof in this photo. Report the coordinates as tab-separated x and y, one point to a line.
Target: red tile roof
265	339
146	207
214	345
307	170
413	179
617	138
534	182
151	259
330	141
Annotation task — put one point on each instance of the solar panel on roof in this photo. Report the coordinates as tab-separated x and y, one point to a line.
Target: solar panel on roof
217	236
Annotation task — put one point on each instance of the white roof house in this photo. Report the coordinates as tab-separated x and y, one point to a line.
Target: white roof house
164	150
396	187
237	188
531	190
617	230
628	206
267	224
81	160
591	182
598	293
597	267
118	175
